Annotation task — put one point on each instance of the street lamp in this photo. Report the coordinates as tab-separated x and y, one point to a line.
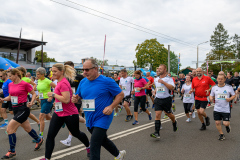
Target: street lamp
197	51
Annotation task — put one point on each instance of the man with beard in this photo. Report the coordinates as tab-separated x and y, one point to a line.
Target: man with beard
201	85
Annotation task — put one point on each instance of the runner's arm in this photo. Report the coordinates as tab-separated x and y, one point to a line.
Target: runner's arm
53	85
33	84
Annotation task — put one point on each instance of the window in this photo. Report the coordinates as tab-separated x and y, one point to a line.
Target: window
13	56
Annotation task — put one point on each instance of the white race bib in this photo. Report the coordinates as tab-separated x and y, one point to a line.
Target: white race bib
234	87
222	96
88	105
160	89
58	107
14	100
73	89
41	96
1	90
136	90
124	88
186	95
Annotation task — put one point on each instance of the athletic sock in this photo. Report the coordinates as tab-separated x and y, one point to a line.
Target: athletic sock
173	101
41	133
12	141
119	155
34	135
69	137
157	126
6	121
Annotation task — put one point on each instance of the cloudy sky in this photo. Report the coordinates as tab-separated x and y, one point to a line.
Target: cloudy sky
72	34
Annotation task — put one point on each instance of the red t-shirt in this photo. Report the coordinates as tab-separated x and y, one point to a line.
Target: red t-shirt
200	86
119	78
151	81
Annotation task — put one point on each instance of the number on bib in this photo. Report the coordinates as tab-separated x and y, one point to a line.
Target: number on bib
58	107
40	95
88	105
160	89
124	88
187	95
222	96
136	90
14	100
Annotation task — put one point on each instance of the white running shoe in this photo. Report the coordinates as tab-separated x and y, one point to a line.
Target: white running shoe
193	115
188	120
66	142
122	155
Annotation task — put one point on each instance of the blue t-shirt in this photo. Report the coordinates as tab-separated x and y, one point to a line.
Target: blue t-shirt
146	81
103	90
5	87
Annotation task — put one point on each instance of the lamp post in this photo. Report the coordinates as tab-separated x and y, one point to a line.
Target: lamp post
197	51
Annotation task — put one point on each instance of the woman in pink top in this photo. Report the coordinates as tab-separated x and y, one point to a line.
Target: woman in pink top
18	92
140	85
65	110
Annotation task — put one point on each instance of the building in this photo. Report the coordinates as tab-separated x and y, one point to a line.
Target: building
187	70
9	49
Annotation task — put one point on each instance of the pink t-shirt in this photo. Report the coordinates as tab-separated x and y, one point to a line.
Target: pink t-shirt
139	84
70	108
20	90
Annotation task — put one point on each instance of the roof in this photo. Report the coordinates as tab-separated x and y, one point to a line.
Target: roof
12	43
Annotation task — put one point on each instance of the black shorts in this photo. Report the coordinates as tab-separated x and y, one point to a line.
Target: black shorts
163	104
1	96
187	107
127	99
149	92
200	104
78	106
21	113
218	116
7	105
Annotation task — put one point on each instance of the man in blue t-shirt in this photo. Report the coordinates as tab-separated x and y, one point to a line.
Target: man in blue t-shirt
6	104
97	93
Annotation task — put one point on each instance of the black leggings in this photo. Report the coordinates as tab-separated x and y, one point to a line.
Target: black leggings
56	123
142	101
187	107
99	138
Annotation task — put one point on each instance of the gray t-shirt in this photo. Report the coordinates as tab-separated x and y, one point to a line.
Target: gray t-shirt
187	98
220	94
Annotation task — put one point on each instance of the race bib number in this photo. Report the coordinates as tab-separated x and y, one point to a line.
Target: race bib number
234	87
136	90
58	107
160	89
187	95
73	90
222	96
124	88
14	100
40	95
88	105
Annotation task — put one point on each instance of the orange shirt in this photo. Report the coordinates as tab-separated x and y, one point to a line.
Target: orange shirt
200	86
151	81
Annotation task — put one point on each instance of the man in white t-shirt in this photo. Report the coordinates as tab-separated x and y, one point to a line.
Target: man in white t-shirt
126	84
223	94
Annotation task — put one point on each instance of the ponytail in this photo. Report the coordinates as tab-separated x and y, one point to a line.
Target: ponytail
68	71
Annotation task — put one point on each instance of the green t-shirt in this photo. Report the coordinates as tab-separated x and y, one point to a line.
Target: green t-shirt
28	80
44	87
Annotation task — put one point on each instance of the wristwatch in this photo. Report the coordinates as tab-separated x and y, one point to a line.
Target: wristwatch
53	95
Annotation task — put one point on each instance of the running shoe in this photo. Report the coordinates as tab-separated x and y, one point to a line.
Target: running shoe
203	127
155	135
135	122
140	111
122	155
221	137
88	151
115	114
207	121
153	106
209	104
175	128
3	125
38	145
120	110
128	118
34	141
174	107
9	155
193	115
150	116
228	129
165	117
66	142
188	120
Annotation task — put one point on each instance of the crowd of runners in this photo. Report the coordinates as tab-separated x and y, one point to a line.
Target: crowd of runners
94	99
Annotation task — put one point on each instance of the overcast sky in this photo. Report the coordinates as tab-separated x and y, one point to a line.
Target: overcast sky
72	34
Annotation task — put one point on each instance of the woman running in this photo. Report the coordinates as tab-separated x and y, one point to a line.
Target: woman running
65	110
140	85
18	91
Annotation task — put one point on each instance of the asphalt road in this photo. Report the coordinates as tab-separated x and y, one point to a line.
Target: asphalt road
188	143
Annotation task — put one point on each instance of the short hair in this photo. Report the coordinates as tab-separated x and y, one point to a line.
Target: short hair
123	70
116	73
137	72
211	70
93	61
4	73
222	75
24	71
70	63
1	70
163	66
15	71
41	70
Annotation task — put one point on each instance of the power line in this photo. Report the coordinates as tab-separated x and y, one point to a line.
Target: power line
180	42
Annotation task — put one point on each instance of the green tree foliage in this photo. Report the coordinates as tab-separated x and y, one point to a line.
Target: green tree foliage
221	50
38	55
100	62
152	53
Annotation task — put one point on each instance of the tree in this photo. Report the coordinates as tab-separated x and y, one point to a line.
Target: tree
100	62
38	55
152	53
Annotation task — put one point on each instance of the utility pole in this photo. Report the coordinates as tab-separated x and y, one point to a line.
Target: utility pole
168	58
197	51
42	51
19	46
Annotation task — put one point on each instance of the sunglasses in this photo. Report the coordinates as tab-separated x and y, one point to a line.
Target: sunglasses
1	76
87	69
